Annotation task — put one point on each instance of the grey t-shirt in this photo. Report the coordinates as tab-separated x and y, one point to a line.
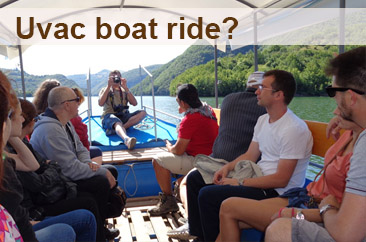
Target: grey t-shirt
356	177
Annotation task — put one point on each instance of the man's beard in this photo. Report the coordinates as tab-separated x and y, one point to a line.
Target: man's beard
345	113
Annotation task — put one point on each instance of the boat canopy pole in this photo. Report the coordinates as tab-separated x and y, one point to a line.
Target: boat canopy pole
89	105
22	70
153	99
216	81
255	46
342	9
141	88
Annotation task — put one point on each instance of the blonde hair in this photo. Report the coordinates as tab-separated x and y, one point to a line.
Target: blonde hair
79	93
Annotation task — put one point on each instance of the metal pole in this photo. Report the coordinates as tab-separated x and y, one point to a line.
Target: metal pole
141	86
216	81
153	98
255	47
88	83
342	21
22	70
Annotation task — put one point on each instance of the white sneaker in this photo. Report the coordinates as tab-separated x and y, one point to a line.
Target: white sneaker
181	233
130	142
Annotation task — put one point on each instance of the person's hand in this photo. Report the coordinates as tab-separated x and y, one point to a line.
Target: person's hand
34	222
168	145
333	128
124	83
331	200
111	179
110	81
220	174
229	181
93	166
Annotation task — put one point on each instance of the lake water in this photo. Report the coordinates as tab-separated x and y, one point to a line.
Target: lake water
309	108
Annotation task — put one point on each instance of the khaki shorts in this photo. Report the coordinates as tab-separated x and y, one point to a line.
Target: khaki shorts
305	231
177	164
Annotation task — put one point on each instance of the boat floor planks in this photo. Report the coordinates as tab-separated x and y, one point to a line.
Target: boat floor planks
122	156
135	223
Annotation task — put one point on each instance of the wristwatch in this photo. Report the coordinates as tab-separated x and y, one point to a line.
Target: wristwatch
300	215
326	208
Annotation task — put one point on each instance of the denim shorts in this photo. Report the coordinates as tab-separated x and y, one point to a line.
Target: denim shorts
110	119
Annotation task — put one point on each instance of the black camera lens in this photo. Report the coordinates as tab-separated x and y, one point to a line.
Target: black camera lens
116	79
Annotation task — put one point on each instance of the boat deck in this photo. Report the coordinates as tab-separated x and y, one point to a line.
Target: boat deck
135	223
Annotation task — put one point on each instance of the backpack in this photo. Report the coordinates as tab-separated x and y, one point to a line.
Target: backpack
116	202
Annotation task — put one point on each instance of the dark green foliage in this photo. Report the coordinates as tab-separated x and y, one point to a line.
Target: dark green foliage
306	63
193	56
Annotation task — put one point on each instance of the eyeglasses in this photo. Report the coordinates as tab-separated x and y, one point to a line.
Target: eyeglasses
260	87
77	99
331	91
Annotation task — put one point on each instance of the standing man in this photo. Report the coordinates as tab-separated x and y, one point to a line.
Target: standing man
346	221
116	118
284	159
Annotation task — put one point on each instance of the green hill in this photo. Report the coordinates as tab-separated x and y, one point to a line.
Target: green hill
193	56
306	63
32	82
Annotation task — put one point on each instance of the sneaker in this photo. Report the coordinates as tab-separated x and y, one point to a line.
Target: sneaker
182	220
110	234
181	233
166	204
130	142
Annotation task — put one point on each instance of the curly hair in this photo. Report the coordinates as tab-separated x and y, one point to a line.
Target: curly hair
41	94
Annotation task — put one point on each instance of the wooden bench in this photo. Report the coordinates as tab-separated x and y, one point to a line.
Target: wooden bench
122	156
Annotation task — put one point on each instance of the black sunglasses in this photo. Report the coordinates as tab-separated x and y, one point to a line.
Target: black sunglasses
77	99
331	91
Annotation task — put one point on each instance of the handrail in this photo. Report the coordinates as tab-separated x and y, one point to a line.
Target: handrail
153	99
168	114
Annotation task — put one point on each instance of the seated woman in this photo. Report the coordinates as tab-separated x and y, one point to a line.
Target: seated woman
80	223
196	135
48	180
239	213
82	130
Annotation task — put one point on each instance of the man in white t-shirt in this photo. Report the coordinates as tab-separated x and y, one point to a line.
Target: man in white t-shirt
346	221
284	158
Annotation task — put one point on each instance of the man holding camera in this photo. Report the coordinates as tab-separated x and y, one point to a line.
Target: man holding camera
116	118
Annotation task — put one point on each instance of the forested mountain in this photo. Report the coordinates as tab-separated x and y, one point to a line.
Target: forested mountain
32	82
99	79
193	56
306	63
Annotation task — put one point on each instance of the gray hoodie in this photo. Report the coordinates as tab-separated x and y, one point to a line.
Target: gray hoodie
51	140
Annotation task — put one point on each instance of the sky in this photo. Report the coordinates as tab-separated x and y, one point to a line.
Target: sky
77	59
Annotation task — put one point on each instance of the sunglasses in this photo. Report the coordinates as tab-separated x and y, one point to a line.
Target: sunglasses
77	99
331	91
261	88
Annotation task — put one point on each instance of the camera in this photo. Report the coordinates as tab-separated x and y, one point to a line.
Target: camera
116	79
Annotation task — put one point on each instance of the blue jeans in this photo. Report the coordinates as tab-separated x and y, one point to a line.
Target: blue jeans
82	222
204	203
56	233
